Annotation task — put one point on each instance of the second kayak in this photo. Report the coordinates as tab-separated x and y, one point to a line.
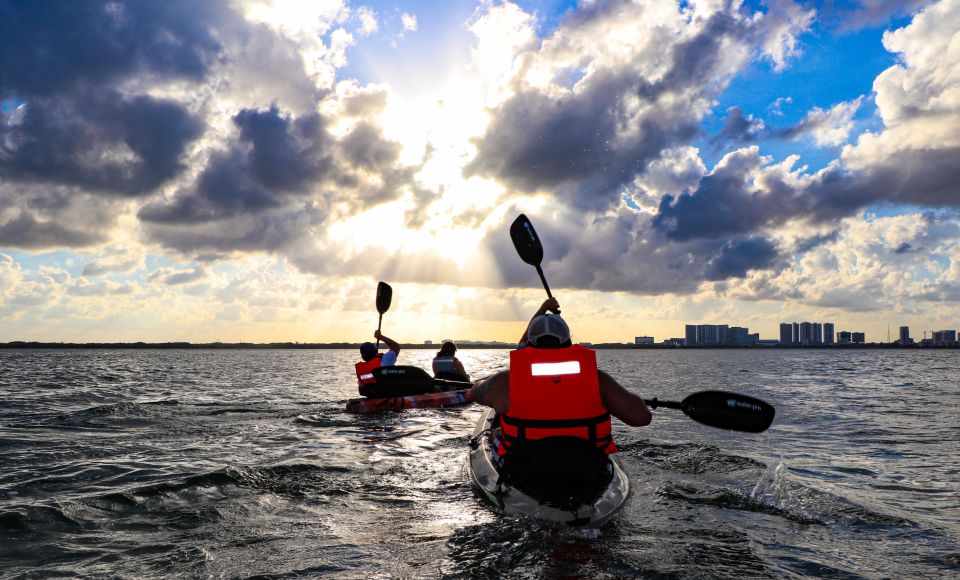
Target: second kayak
406	387
367	406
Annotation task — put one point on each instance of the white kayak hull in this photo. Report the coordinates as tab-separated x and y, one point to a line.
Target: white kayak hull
511	501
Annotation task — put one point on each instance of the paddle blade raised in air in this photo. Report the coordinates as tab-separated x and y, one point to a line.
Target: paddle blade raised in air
384	296
526	241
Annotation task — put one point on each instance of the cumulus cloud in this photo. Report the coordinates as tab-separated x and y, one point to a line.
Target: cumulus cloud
10	273
368	21
85	288
276	183
863	266
409	22
776	107
677	170
180	106
220	129
742	194
595	103
79	126
624	251
114	260
910	161
97	140
502	32
827	128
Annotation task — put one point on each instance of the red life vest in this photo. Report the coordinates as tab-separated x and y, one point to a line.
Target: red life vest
555	393
365	370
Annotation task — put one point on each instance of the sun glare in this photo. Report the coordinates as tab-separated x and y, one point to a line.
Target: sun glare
440	234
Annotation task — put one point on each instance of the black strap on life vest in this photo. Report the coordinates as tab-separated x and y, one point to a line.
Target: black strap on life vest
523	424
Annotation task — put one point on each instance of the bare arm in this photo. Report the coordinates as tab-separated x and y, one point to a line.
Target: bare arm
623	404
494	391
391	344
551	305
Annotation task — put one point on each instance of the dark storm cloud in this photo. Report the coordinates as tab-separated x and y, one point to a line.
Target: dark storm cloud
274	156
925	177
806	244
728	201
285	154
577	145
254	232
624	253
50	47
266	178
538	142
85	127
97	140
224	190
738	128
26	232
739	256
66	62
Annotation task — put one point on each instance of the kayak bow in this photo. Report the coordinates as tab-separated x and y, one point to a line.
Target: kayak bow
512	501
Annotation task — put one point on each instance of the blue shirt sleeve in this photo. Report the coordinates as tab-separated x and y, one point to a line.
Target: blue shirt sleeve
388	359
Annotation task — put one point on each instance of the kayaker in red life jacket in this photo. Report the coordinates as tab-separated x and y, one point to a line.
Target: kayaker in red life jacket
554	389
373	359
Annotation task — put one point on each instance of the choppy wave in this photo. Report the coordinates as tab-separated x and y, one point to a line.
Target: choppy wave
244	464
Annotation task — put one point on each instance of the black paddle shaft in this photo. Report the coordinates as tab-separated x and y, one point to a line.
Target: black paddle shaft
723	410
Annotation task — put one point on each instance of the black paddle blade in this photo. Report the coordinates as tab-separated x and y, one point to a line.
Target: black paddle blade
526	241
729	411
384	296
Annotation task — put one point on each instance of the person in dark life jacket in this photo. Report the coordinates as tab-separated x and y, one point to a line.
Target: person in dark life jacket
554	389
447	366
372	359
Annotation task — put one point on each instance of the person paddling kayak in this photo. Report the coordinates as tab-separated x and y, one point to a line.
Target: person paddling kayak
553	399
446	365
373	359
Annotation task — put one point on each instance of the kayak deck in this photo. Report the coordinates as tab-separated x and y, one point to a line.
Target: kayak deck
368	406
511	501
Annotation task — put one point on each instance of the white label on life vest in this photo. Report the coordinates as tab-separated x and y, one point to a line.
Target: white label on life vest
553	369
366	376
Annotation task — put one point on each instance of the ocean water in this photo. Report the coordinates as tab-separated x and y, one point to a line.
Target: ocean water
242	463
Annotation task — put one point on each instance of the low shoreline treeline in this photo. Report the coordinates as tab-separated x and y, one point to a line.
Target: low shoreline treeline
19	344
